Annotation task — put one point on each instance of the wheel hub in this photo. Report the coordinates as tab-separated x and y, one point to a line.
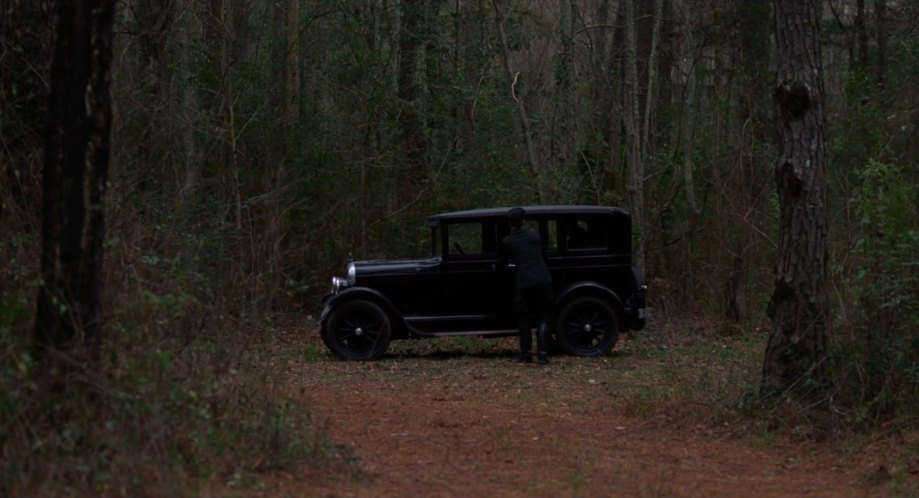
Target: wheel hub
358	331
587	327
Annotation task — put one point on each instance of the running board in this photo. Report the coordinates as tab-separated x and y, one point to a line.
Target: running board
483	333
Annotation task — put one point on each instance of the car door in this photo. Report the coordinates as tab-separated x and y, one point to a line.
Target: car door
475	291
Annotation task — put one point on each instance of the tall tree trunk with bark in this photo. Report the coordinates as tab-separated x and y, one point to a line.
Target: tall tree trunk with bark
651	93
186	114
632	119
615	82
881	6
795	358
690	55
411	121
600	88
564	142
74	179
861	32
409	44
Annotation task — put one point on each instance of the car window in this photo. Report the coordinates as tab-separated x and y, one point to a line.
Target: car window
437	241
550	236
587	233
468	239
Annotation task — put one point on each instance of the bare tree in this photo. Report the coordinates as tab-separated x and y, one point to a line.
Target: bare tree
515	77
796	353
74	178
689	56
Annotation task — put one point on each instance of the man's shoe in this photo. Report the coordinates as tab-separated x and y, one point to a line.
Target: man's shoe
524	358
543	358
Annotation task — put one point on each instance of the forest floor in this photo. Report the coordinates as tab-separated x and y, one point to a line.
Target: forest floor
658	417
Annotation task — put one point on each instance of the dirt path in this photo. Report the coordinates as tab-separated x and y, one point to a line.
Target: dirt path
473	424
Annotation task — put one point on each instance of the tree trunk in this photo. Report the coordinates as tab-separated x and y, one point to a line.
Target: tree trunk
564	140
470	45
615	127
881	6
795	358
600	88
74	179
514	77
187	35
688	134
410	119
408	49
157	18
651	94
861	32
292	68
631	119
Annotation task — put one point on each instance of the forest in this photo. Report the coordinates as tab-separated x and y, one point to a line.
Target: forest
250	148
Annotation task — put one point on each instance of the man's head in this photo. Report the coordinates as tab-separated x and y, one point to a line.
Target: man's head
515	217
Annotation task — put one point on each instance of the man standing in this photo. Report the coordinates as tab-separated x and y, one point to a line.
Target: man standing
534	298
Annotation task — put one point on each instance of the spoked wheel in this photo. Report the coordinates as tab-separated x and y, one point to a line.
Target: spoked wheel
587	326
357	330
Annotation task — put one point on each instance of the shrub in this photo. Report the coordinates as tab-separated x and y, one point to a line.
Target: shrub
877	354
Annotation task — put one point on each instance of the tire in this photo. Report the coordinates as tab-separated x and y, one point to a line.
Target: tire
587	326
357	331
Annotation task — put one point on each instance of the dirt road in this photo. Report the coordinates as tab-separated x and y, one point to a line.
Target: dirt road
458	420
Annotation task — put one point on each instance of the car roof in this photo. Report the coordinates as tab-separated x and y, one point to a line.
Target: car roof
531	211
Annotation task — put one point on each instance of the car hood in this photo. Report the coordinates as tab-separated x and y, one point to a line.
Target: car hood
389	266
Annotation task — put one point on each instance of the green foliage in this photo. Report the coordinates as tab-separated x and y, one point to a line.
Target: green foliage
184	397
875	283
878	355
277	206
163	416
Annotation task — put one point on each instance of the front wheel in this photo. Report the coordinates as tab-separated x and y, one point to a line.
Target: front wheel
357	330
587	326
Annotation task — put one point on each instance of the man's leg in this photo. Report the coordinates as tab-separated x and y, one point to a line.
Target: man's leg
542	333
526	341
523	325
542	342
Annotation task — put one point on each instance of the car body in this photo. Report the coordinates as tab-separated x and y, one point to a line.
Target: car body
462	289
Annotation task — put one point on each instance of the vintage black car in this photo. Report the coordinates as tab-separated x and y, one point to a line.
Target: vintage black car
462	290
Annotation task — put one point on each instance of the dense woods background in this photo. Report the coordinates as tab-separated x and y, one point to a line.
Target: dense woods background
255	145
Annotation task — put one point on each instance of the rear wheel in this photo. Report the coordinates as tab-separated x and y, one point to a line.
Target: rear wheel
357	330
587	326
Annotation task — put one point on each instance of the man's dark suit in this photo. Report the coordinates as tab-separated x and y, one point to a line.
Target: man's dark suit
524	248
533	302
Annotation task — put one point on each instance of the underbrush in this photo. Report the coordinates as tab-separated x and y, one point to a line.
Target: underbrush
876	351
687	370
165	414
701	373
